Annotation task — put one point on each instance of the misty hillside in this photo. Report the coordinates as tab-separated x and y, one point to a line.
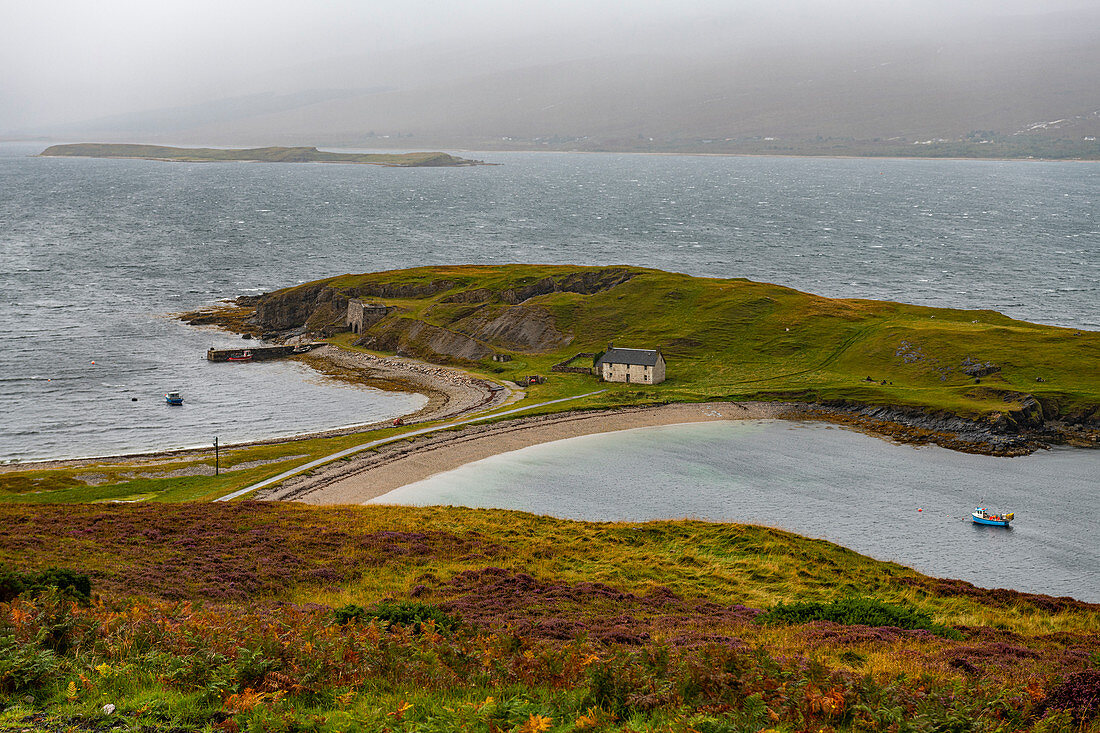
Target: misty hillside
1023	85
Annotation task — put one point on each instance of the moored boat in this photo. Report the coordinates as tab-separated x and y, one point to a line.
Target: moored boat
981	516
173	398
243	356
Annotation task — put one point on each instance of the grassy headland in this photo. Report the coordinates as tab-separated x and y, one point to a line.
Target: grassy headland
263	155
255	616
889	367
723	339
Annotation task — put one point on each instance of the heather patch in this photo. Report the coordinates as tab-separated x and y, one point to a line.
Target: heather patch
1079	694
1002	597
496	621
418	547
291	668
229	552
838	634
497	598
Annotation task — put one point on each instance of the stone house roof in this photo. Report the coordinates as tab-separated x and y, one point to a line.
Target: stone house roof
634	357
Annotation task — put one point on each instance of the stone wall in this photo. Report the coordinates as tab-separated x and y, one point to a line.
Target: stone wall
566	366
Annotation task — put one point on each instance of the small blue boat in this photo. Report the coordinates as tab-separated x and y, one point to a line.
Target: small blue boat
981	516
173	398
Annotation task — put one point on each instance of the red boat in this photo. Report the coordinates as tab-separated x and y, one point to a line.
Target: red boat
243	356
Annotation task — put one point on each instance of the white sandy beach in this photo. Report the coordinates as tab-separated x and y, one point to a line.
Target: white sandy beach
379	472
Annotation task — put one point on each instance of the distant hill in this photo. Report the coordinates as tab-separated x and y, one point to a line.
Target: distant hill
263	155
1001	87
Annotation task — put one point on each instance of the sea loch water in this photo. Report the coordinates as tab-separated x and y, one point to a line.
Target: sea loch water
95	256
893	502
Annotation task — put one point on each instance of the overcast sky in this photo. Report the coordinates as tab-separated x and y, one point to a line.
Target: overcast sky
71	60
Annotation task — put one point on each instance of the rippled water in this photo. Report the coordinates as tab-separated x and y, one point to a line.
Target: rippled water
893	502
94	255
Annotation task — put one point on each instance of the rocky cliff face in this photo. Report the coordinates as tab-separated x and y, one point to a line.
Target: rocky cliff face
321	308
526	328
494	319
410	337
588	282
285	310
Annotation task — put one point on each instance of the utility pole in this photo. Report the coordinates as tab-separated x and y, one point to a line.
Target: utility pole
217	466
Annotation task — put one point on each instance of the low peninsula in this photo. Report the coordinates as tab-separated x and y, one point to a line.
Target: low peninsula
972	380
254	155
514	347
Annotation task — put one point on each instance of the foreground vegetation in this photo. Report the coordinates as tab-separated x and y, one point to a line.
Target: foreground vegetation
253	616
264	155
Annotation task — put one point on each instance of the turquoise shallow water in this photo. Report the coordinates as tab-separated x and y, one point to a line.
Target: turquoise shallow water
892	502
96	254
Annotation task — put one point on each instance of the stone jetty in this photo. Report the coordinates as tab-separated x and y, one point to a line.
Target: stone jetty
259	353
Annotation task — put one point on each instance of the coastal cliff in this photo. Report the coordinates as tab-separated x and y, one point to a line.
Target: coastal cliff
972	380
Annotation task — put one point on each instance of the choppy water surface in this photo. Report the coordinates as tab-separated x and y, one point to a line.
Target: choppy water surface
893	502
94	255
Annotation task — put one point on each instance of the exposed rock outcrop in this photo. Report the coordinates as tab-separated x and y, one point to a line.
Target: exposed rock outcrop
480	295
588	282
518	328
1023	427
410	337
288	309
402	290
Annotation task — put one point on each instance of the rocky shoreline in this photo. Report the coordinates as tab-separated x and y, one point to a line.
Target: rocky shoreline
999	435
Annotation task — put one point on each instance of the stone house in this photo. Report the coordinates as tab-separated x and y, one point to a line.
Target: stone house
636	366
362	315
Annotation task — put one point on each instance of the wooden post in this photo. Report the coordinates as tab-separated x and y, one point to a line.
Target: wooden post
217	466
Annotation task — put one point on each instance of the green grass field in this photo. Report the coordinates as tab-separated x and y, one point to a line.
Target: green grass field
747	340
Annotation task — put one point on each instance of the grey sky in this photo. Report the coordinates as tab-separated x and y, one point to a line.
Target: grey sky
70	60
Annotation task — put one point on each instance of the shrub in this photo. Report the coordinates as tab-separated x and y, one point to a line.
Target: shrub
856	610
13	583
24	666
403	613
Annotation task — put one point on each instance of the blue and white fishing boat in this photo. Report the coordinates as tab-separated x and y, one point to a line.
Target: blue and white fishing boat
173	398
981	516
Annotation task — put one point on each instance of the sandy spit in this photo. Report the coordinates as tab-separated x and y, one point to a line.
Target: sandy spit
391	466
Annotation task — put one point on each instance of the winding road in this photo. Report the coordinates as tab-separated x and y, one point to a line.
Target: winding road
382	441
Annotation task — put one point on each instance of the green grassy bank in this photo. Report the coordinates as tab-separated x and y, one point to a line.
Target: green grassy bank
255	616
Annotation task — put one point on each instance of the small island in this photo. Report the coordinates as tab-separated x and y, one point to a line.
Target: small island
254	155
